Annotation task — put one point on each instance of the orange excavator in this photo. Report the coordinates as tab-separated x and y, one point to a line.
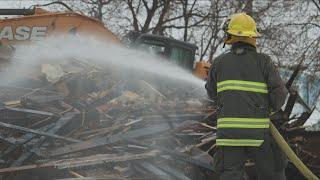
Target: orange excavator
36	23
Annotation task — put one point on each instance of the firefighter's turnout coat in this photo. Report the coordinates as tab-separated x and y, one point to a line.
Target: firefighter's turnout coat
246	87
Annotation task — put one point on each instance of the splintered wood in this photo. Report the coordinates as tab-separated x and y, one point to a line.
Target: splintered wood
98	125
93	123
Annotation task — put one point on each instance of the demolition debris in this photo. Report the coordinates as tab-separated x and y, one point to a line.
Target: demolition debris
95	124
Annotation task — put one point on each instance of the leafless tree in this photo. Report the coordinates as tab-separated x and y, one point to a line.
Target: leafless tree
96	7
289	28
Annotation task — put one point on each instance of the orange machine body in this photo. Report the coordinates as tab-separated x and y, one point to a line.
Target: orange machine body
23	29
202	69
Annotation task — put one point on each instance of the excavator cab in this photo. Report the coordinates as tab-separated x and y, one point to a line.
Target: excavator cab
178	52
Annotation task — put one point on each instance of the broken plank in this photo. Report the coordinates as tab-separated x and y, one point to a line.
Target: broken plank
58	125
178	175
174	154
28	130
155	170
83	161
102	141
8	140
102	159
31	111
207	126
42	99
26	138
151	89
173	117
12	103
75	174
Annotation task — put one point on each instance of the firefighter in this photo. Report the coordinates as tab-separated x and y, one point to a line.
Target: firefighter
246	87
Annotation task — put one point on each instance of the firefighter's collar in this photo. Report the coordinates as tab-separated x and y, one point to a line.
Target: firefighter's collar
242	45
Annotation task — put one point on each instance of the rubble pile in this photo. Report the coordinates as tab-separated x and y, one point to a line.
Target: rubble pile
89	122
85	122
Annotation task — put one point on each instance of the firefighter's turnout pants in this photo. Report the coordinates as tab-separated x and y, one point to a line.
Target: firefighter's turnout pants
270	161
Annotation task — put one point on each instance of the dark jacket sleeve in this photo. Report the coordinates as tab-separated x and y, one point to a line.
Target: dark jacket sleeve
276	87
211	85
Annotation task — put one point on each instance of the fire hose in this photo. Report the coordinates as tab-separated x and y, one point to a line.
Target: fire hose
291	155
304	170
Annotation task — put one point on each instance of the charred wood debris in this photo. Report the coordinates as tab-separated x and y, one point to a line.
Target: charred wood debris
93	124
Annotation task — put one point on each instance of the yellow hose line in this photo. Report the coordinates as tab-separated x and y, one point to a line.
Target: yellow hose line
291	155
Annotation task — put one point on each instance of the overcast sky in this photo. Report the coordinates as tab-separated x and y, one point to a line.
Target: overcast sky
20	3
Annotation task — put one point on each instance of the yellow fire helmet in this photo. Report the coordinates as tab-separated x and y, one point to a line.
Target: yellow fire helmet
242	25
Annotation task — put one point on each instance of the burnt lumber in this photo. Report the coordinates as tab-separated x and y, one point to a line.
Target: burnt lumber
29	111
105	141
28	130
58	125
92	123
176	155
81	162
